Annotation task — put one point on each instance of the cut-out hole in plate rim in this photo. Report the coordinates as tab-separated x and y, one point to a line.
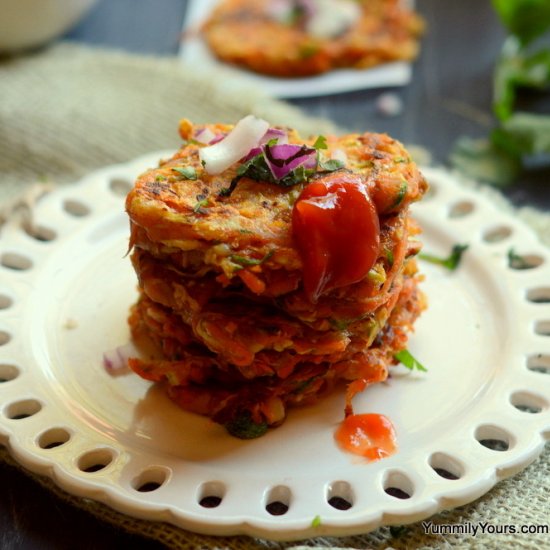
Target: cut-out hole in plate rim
119	438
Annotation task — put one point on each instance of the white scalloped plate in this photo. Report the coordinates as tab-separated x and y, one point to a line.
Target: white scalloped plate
485	340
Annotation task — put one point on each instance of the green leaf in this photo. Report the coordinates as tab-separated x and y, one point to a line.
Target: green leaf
406	358
530	133
401	194
188	172
242	260
485	161
320	143
331	165
200	205
515	261
526	19
518	69
316	521
451	262
244	427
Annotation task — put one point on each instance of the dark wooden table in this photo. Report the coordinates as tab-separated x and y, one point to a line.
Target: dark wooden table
449	96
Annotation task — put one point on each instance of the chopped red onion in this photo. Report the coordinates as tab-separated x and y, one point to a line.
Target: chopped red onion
204	135
275	133
246	134
252	153
282	159
115	360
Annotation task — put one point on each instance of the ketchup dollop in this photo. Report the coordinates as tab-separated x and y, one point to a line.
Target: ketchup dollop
371	436
337	233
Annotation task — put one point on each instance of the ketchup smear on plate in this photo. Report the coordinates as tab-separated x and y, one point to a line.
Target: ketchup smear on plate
371	436
337	232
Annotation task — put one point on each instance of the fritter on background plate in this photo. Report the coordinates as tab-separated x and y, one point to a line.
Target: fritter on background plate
294	38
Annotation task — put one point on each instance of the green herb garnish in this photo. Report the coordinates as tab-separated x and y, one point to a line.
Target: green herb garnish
202	202
308	50
515	261
320	143
244	427
316	521
389	256
245	262
188	172
400	194
451	262
408	360
331	165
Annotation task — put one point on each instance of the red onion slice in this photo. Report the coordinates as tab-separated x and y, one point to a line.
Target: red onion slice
275	133
115	360
282	159
205	136
246	134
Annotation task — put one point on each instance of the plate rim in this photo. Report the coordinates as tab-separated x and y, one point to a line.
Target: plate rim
65	476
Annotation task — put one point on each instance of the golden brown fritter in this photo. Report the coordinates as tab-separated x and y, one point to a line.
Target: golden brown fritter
245	33
202	382
221	271
249	235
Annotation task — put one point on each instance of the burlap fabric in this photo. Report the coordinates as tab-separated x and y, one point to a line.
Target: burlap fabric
69	110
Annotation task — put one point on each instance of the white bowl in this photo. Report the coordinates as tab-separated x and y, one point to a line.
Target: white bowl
30	23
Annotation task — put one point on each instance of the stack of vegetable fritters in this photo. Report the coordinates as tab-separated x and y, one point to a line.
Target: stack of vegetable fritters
267	276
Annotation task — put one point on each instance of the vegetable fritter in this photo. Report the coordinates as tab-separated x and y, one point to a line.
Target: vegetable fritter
296	38
271	266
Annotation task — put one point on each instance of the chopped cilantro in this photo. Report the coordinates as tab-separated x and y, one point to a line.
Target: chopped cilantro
316	521
451	262
200	205
308	50
257	169
320	143
244	427
515	261
188	172
243	261
400	194
408	360
331	165
338	324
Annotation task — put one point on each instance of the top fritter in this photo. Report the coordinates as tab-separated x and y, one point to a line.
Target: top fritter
291	38
288	217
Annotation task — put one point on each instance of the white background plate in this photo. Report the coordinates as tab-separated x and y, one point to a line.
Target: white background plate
485	340
197	55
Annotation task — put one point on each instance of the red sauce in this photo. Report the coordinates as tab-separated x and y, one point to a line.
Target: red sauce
371	436
337	233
